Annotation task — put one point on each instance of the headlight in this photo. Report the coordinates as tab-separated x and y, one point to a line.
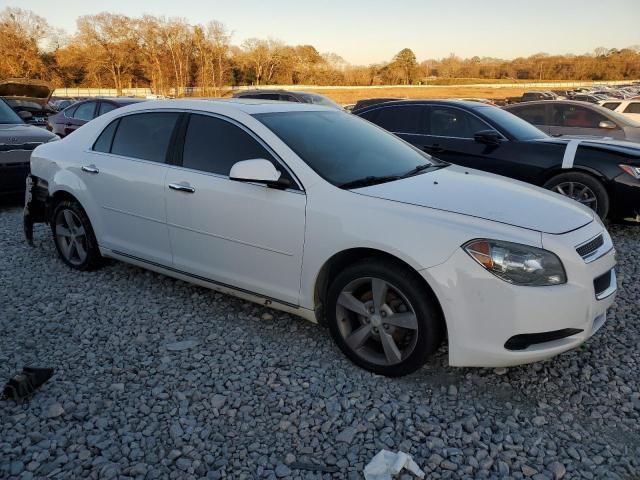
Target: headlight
633	171
516	263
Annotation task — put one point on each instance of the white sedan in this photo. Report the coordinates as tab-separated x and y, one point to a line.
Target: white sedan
321	214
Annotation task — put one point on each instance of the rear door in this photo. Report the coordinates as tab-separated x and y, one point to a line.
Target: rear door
125	172
240	234
536	114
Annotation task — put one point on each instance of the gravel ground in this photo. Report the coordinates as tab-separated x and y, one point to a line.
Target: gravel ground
156	378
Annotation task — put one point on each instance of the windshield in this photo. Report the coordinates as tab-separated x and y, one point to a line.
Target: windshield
343	148
516	127
7	115
320	100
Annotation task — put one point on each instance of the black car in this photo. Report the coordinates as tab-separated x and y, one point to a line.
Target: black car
604	175
71	118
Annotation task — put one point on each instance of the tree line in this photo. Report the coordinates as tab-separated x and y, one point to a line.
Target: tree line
171	56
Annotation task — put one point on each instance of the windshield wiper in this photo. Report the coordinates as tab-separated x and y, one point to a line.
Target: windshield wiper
421	168
367	181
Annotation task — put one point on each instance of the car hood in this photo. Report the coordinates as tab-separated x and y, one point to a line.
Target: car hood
21	133
484	195
23	89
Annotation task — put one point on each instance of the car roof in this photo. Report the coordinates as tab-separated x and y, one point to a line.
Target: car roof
246	105
456	103
265	90
551	102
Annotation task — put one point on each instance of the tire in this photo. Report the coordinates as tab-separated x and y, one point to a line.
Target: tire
363	336
74	238
582	182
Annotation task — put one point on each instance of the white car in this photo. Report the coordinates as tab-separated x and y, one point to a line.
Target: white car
628	108
321	214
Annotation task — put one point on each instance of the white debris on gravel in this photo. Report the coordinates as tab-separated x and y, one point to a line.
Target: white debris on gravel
386	465
269	399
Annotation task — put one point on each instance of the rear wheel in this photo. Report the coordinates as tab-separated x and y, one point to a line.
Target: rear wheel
582	188
74	237
382	319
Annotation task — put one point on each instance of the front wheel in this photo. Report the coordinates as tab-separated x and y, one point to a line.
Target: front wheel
382	319
582	188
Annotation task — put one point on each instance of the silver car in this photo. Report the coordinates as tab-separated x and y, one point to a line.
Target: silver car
17	140
577	119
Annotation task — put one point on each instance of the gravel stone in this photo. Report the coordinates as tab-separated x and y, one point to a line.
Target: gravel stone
159	379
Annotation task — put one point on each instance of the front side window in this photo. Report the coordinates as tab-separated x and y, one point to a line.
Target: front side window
214	145
452	122
144	135
400	119
575	116
85	111
534	114
342	148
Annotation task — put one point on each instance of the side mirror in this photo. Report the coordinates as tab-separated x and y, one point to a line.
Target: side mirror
607	124
487	137
258	170
24	115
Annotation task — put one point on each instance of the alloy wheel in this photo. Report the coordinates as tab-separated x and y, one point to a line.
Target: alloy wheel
71	236
376	321
578	192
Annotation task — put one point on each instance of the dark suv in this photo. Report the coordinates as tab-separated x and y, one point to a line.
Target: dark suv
71	118
287	96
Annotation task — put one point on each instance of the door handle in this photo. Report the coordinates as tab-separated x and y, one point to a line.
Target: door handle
90	169
182	187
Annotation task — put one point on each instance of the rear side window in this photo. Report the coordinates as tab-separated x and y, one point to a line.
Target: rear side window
451	122
534	114
214	145
103	143
611	105
145	135
633	108
400	119
85	111
106	107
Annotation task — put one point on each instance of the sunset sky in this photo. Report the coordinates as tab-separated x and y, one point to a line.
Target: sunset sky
368	31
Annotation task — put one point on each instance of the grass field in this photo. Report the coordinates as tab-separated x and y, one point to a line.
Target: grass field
346	96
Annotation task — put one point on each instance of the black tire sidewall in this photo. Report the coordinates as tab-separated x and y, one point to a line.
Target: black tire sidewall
430	322
590	181
94	258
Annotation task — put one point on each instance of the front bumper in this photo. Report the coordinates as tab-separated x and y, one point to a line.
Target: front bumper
625	198
483	313
13	176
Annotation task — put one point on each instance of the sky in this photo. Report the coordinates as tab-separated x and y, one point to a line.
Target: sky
372	31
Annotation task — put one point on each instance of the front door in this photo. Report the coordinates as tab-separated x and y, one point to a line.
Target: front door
243	235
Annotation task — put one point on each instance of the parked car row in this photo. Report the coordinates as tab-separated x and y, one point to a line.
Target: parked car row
393	243
595	94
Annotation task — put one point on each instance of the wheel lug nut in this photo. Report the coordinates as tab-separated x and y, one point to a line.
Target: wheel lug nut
371	310
383	313
385	326
375	329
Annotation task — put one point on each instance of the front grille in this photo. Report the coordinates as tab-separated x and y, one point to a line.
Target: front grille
591	246
602	282
6	147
